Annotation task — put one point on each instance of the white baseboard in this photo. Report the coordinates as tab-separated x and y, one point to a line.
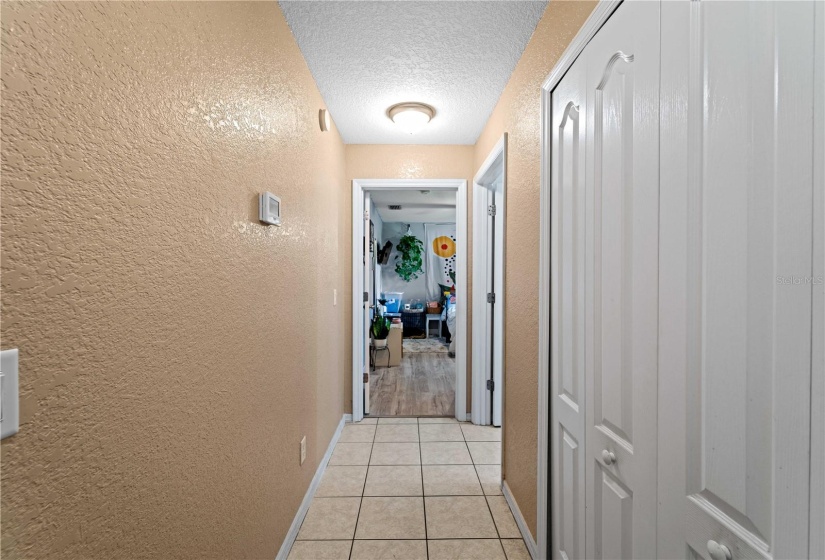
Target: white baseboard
522	524
313	487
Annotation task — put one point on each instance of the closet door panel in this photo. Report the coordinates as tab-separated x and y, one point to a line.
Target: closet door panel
613	516
738	167
568	314
623	166
614	195
751	342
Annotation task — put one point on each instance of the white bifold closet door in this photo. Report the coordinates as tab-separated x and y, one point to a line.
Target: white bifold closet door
736	279
685	295
622	283
605	235
567	303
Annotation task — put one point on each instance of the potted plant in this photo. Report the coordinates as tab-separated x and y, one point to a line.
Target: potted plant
380	330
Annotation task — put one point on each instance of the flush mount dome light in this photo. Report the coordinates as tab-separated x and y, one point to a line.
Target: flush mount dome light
411	117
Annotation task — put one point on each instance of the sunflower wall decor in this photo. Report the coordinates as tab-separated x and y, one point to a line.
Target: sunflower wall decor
444	247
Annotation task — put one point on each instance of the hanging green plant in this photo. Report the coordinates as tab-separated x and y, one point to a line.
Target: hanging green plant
409	257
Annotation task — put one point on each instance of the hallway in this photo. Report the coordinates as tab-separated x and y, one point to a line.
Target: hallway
233	230
411	489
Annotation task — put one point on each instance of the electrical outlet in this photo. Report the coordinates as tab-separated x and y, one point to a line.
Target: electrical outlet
334	297
303	449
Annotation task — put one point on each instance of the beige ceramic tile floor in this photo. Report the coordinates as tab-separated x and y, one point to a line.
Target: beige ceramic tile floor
411	489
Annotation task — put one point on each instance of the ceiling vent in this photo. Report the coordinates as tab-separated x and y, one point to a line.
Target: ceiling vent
394	207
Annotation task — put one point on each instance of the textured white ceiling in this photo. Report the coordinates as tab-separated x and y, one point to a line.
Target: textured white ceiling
435	206
456	56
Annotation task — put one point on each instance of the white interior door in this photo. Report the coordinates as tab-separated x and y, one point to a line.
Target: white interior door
567	272
736	249
367	272
491	358
621	283
489	291
497	282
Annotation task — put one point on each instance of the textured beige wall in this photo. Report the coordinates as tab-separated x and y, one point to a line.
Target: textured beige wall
396	161
407	161
173	350
518	114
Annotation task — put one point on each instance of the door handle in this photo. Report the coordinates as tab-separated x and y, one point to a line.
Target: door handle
718	551
608	457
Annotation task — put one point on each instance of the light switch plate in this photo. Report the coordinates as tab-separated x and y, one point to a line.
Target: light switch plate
9	397
334	297
303	449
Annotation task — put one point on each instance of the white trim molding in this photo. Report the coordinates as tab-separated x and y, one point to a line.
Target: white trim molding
543	473
359	187
816	547
292	534
600	14
522	524
485	192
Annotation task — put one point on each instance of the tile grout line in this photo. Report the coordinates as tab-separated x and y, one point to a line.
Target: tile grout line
423	498
420	539
363	489
486	502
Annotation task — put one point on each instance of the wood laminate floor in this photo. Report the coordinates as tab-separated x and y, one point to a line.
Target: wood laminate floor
423	385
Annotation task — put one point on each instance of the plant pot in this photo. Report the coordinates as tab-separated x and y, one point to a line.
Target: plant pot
382	343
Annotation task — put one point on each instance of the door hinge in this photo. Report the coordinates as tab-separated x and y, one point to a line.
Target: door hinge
491	385
366	378
366	214
491	210
491	298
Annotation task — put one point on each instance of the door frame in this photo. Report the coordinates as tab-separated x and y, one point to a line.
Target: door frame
359	186
816	546
600	14
495	164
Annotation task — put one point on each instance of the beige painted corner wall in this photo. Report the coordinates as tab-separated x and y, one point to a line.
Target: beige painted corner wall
173	350
518	113
407	161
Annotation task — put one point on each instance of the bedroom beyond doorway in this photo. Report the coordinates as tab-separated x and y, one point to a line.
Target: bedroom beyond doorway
412	277
413	287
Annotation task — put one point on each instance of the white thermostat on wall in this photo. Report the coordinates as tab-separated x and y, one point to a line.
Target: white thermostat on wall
269	209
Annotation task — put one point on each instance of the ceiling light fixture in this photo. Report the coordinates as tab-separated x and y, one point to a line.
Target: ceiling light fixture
411	117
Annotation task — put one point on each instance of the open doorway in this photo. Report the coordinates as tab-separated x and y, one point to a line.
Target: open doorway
409	313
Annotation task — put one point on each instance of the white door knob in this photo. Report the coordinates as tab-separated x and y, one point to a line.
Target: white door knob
608	457
718	551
